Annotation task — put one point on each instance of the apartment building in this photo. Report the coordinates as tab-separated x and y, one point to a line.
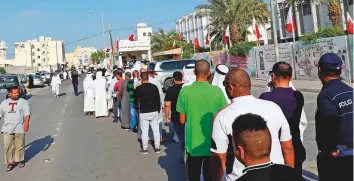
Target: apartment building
80	56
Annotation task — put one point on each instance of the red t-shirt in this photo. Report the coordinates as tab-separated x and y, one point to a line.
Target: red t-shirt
117	86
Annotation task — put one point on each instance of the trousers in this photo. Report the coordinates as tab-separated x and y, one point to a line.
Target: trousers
333	168
75	89
147	120
194	165
132	116
14	147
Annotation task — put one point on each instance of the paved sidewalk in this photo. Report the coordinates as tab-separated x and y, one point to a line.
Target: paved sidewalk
301	85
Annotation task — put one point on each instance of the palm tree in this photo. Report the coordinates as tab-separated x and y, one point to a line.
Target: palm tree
238	14
162	40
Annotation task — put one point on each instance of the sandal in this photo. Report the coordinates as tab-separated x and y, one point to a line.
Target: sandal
9	167
21	165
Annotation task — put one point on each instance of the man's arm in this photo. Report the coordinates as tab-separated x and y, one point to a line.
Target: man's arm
157	98
182	118
167	111
288	152
217	164
26	125
27	113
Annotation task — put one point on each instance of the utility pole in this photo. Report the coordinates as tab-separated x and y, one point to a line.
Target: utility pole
110	37
275	33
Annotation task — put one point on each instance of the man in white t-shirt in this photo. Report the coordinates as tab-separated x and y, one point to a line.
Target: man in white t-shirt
238	87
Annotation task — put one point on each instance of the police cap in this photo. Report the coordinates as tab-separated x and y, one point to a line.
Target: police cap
330	61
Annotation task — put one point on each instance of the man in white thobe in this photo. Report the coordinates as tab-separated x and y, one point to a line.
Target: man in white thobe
219	76
65	75
100	83
89	92
55	84
188	74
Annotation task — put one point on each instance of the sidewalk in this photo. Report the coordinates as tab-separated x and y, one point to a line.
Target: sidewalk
301	85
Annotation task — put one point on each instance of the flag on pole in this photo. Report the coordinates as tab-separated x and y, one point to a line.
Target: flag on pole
196	43
350	24
256	30
180	36
290	21
174	44
227	35
117	45
207	39
132	37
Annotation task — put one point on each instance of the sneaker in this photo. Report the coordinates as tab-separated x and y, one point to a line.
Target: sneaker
144	152
157	150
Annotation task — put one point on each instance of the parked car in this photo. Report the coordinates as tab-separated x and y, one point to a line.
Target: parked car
38	81
7	81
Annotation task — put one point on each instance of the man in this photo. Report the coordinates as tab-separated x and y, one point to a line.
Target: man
219	76
197	105
89	94
136	78
100	83
132	106
112	83
148	98
238	88
188	74
55	83
252	142
291	103
334	122
75	82
170	107
16	116
123	96
116	88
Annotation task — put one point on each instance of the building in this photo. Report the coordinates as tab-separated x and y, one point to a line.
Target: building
3	50
137	50
80	57
195	25
44	53
309	15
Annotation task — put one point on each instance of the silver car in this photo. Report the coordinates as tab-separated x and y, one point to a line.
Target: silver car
38	81
165	68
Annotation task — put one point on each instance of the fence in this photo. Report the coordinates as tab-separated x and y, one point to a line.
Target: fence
301	55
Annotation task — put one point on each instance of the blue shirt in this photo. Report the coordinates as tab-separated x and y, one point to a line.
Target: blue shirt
284	98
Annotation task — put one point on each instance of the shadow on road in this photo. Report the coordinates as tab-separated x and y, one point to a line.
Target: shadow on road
40	145
172	162
80	92
62	94
29	96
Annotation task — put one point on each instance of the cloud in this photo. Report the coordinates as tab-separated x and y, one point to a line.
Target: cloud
31	14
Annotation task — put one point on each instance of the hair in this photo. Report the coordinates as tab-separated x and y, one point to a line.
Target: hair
120	74
136	72
250	131
282	69
144	76
115	67
177	76
202	68
120	70
128	74
10	89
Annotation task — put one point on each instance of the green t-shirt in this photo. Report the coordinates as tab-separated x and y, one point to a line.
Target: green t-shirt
200	102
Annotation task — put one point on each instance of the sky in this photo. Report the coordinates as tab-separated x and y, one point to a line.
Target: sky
71	20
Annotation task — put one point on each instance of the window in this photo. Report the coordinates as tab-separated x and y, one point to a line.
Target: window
306	9
149	34
32	46
350	2
39	57
144	34
133	57
181	64
38	49
43	45
43	59
168	65
43	52
33	61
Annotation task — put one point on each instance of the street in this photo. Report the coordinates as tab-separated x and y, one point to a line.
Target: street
65	145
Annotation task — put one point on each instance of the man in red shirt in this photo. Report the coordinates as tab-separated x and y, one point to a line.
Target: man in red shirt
116	89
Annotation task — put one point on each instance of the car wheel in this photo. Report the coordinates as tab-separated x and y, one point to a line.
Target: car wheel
168	83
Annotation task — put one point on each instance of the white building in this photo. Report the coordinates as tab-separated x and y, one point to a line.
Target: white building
80	57
309	15
139	49
194	25
42	53
3	50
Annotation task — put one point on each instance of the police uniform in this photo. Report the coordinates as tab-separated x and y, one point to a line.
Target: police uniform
334	125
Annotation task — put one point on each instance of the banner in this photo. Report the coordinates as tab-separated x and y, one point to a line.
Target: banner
199	56
219	57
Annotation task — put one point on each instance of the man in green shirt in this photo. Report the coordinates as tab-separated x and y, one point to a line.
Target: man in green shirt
197	105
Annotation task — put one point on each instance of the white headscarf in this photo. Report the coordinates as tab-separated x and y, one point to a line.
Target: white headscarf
219	76
188	74
88	81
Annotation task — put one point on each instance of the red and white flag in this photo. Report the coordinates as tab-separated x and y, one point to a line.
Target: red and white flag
290	21
227	35
117	45
174	44
207	39
196	43
180	36
350	24
132	37
256	30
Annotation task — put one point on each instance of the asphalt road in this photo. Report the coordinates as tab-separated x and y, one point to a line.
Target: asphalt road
65	145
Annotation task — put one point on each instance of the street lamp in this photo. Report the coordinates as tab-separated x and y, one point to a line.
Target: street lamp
103	32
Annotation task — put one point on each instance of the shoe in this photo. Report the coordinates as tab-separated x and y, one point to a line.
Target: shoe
157	150
144	152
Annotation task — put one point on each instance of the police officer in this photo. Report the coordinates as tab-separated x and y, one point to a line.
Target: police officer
334	122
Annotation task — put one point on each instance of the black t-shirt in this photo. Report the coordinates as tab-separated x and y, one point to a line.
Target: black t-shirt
75	78
172	96
148	98
270	172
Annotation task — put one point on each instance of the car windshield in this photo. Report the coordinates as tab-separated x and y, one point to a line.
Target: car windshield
7	81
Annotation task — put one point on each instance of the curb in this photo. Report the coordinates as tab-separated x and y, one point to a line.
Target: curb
299	89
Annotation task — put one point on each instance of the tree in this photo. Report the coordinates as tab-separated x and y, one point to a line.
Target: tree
96	57
162	40
238	14
2	70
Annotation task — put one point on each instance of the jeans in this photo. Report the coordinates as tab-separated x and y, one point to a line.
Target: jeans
118	107
133	116
194	164
147	120
179	131
115	109
75	89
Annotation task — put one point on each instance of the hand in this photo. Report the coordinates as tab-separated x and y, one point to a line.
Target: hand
26	127
336	153
168	119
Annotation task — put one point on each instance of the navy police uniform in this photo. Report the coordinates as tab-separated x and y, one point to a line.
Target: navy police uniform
334	125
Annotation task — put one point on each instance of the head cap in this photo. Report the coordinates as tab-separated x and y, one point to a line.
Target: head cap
330	61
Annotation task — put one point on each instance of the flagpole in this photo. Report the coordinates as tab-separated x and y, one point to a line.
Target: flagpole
292	24
230	38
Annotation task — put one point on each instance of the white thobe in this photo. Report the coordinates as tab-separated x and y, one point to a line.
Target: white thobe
109	93
55	84
101	108
89	91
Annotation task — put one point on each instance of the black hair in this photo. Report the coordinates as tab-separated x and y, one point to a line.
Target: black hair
282	69
177	76
248	122
120	74
144	76
128	74
10	89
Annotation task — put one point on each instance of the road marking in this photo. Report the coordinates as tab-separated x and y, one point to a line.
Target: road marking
59	123
55	135
58	129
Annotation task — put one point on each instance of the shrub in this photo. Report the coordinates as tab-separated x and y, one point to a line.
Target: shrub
322	33
241	48
2	70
